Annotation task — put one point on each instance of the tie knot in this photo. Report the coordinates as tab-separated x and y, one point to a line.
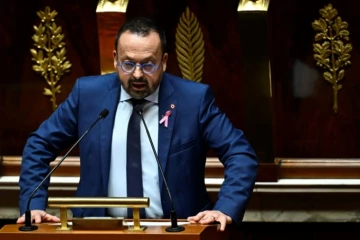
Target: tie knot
138	104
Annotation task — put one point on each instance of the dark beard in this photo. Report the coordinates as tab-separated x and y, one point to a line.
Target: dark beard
138	94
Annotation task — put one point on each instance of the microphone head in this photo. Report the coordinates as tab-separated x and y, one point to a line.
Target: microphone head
104	113
138	108
138	104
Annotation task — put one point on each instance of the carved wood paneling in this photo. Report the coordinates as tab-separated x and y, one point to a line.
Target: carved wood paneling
305	123
21	98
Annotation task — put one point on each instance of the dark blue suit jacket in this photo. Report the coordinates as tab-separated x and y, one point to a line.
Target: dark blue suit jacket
195	124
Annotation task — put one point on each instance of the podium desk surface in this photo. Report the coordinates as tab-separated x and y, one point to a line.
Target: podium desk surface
48	231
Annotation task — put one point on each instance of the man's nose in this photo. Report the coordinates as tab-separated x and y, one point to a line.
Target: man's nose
137	72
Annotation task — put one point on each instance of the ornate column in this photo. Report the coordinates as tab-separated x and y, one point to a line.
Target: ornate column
111	14
257	92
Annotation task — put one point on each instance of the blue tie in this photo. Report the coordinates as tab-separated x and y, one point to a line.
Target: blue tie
133	152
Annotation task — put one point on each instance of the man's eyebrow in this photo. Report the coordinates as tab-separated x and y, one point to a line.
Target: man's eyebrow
150	58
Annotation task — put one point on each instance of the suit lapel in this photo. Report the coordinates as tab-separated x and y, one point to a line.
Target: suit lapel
167	101
107	125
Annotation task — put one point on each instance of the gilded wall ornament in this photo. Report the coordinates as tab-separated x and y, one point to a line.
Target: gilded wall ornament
332	52
49	54
190	47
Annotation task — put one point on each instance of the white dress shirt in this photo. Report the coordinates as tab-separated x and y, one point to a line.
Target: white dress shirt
150	177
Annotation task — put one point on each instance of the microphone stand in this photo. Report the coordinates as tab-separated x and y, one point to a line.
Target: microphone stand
174	224
28	226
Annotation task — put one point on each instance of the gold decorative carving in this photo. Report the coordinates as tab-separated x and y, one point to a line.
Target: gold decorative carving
332	53
49	54
253	5
112	6
190	47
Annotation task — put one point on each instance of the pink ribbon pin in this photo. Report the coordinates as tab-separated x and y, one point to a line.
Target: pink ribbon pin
165	119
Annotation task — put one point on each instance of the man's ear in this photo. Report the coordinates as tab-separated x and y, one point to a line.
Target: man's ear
115	58
164	61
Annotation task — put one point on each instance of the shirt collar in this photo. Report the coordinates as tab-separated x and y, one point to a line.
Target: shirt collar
154	97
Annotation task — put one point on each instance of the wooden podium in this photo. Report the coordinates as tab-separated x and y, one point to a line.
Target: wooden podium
49	231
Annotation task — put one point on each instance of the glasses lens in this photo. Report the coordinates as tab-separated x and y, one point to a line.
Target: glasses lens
128	66
148	68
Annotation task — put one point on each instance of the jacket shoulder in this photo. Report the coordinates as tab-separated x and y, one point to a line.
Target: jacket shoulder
98	81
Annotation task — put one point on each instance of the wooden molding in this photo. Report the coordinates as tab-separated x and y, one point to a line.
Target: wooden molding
71	168
283	168
318	168
267	172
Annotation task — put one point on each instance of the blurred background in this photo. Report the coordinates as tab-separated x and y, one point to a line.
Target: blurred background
285	72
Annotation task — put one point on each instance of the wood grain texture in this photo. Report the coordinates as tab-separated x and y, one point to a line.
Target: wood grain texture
46	231
318	168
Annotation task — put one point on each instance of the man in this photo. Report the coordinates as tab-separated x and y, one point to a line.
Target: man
183	122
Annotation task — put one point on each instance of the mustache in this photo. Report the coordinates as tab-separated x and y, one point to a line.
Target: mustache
141	80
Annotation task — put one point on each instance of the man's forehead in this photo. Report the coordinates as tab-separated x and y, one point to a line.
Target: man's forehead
130	38
132	45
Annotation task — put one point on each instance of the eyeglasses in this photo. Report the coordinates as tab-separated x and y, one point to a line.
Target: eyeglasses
147	68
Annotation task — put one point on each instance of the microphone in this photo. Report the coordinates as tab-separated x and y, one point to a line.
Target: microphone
174	224
28	225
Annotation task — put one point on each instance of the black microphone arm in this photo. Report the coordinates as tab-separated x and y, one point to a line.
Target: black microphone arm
174	224
28	225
